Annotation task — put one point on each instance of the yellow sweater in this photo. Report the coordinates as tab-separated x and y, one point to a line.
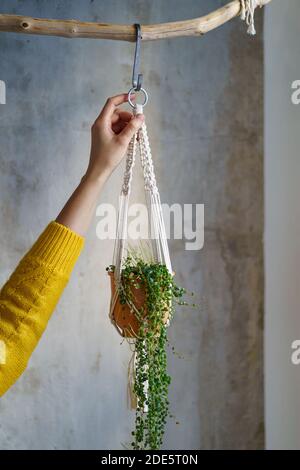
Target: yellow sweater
29	297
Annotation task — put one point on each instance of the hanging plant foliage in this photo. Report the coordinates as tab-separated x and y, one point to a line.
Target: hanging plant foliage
147	295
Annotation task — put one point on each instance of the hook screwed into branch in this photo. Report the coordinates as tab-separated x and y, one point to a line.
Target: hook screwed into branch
137	78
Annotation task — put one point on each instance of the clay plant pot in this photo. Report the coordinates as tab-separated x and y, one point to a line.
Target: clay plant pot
124	316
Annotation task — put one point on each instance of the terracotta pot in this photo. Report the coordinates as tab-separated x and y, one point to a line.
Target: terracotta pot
124	316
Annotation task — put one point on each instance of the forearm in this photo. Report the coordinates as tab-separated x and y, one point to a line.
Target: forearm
80	208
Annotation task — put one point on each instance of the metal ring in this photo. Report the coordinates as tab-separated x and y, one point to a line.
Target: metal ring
145	97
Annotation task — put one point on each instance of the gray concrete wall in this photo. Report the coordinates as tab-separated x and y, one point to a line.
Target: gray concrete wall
282	173
205	124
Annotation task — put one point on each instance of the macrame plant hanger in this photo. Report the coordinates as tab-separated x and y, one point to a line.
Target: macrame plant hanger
156	227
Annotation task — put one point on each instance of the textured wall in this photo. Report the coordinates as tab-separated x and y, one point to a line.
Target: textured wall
205	123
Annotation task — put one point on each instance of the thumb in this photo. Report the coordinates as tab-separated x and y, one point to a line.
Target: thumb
132	127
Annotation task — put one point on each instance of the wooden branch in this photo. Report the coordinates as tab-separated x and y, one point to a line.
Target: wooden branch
81	29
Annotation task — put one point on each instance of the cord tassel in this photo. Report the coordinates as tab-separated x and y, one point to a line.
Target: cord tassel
247	14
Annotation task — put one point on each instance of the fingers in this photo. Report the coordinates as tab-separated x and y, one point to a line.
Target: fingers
128	132
111	104
120	115
119	120
119	126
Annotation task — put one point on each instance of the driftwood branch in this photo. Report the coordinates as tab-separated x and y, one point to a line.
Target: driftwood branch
81	29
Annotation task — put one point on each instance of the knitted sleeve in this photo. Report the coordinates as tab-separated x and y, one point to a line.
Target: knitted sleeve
30	295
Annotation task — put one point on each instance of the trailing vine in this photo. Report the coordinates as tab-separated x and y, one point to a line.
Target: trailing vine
151	382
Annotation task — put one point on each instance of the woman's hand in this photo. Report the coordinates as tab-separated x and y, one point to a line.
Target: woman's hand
111	134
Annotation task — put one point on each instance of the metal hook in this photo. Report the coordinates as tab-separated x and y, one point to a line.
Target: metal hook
137	78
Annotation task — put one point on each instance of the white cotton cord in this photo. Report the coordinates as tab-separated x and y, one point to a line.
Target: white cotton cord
138	109
163	235
248	8
146	159
157	228
121	235
130	162
156	225
152	227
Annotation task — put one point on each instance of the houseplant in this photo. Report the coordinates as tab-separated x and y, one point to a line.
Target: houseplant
145	297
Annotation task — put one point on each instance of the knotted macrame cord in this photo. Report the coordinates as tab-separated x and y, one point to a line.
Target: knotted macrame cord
248	8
